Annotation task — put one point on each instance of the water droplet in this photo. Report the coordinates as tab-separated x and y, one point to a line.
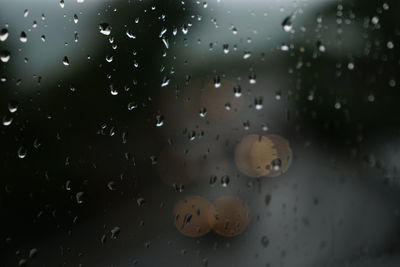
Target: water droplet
321	47
33	252
132	106
79	197
26	13
264	127
246	55
76	19
225	180
3	34
23	37
105	28
264	241
65	61
375	20
62	4
115	232
287	23
258	103
185	29
276	164
68	185
237	91
213	180
217	82
203	112
22	152
252	78
225	48
165	81
109	58
163	31
22	262
285	47
267	199
165	42
13	106
111	185
140	202
159	120
130	34
234	30
7	120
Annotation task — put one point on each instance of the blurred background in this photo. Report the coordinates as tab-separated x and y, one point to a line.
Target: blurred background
115	110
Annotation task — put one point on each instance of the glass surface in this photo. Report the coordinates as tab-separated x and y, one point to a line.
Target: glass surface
199	133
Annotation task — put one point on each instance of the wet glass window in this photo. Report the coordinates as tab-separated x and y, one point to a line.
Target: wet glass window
200	133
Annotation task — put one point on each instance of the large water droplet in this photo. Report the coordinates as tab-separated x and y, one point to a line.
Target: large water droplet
65	61
287	24
4	56
3	34
105	28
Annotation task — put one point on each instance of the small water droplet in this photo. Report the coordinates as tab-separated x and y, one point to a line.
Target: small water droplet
111	185
165	81
132	105
203	112
213	180
33	252
375	20
115	232
264	241
252	78
130	34
246	55
23	37
225	48
284	47
79	197
22	152
185	29
140	202
109	58
237	91
159	120
258	103
13	106
76	19
276	164
225	180
217	82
